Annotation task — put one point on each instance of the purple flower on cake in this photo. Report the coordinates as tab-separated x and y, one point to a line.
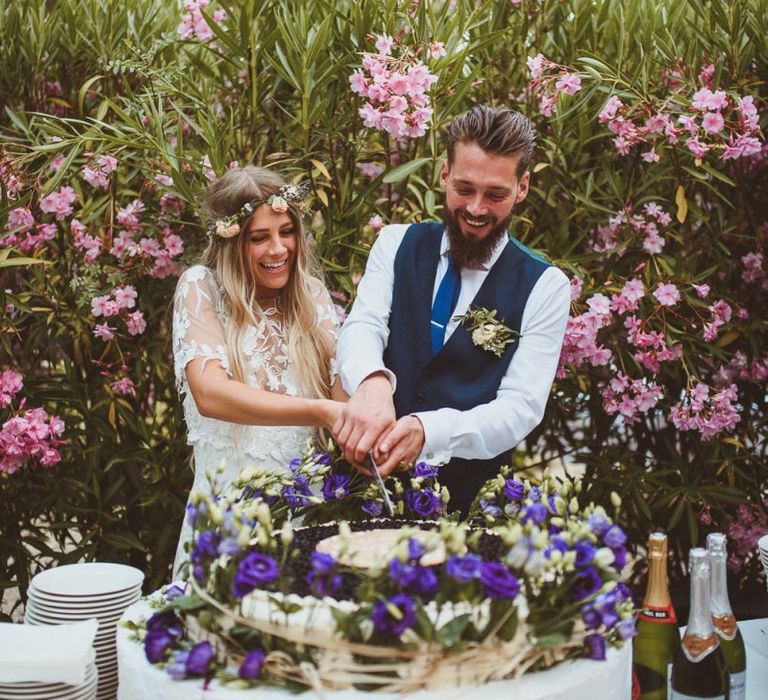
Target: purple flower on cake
163	631
498	581
419	580
373	508
253	571
591	617
175	590
536	513
599	524
464	569
415	550
424	504
336	486
199	659
297	494
514	490
207	545
620	558
596	645
250	669
178	669
322	578
425	470
393	616
535	494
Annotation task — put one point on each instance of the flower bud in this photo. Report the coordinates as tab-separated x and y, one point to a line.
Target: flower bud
286	533
604	557
615	499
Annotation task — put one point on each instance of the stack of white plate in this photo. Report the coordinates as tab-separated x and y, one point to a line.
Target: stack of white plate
762	550
82	591
59	691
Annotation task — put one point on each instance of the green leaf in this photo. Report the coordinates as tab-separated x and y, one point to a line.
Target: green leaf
402	171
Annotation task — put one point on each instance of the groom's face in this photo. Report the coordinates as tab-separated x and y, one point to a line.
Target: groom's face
481	190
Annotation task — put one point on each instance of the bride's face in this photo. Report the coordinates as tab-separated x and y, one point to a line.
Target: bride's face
272	241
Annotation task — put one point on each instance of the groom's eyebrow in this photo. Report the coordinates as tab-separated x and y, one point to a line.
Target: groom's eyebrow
496	189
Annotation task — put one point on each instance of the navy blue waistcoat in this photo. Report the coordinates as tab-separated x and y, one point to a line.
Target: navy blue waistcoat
461	375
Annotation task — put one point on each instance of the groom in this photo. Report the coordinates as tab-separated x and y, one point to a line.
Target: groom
424	385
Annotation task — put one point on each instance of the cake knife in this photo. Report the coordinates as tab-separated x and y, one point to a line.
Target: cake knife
372	466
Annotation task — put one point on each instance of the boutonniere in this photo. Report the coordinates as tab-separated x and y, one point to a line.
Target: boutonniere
487	331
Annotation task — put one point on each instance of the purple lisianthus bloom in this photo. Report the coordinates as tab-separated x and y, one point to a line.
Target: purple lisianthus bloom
490	508
585	552
626	629
620	558
296	495
551	505
464	569
401	574
207	545
514	490
322	563
199	659
614	537
423	504
415	550
174	591
536	512
199	573
336	486
426	584
324	585
322	458
166	622
598	523
425	470
191	514
498	581
374	508
158	645
229	546
591	617
250	669
294	464
588	582
556	543
596	645
178	669
534	494
253	571
387	623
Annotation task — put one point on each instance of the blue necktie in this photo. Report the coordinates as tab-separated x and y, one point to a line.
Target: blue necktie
445	303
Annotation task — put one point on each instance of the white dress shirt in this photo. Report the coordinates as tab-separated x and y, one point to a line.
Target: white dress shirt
486	430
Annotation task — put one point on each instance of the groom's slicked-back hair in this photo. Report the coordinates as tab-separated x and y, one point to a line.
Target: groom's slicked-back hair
497	130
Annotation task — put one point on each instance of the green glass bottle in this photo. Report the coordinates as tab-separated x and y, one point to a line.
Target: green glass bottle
658	637
731	641
699	670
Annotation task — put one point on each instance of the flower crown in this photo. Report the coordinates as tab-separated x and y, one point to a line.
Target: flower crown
287	195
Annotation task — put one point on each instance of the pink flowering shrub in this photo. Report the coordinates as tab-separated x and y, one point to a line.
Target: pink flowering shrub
549	81
394	84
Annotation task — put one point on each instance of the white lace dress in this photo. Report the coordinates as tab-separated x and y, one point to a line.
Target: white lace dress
199	315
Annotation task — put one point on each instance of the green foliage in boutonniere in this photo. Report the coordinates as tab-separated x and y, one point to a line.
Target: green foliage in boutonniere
487	331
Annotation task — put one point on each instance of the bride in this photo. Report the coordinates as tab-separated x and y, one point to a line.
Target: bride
254	334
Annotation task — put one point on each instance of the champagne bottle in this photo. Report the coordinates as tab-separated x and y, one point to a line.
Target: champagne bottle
658	637
699	669
731	641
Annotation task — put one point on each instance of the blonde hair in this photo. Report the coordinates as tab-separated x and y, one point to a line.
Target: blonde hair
309	346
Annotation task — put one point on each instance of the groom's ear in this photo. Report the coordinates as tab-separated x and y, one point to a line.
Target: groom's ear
444	174
522	187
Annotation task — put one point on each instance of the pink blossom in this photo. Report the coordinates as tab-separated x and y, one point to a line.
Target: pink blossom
746	106
536	65
20	220
57	162
124	296
707	74
667	294
358	82
697	148
599	304
688	123
713	122
653	242
702	290
436	49
136	323
124	386
706	100
384	45
630	398
709	414
99	305
59	202
743	146
104	331
11	383
129	215
753	267
173	244
721	311
569	83
609	109
30	439
370	170
576	285
376	222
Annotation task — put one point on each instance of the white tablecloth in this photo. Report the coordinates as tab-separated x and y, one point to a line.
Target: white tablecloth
572	680
755	633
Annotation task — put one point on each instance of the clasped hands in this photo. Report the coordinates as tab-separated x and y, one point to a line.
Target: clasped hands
367	424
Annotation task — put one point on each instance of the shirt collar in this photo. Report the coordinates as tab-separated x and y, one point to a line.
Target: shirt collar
502	243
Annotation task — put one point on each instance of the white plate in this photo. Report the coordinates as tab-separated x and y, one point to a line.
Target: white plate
69	693
71	616
102	599
88	579
86	603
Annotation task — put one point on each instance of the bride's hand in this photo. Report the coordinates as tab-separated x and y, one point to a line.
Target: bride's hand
331	412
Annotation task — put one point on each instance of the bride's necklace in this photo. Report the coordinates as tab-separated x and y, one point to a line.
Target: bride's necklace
270	304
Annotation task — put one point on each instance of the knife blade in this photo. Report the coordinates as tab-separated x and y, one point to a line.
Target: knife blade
370	464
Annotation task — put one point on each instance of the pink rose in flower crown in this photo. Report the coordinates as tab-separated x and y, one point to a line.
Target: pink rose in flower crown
279	204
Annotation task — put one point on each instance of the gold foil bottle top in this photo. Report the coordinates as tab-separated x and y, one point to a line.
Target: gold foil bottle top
657	592
657	546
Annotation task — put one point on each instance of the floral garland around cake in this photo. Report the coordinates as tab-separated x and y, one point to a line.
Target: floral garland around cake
531	579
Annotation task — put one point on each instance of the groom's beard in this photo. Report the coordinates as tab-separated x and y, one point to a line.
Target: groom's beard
471	252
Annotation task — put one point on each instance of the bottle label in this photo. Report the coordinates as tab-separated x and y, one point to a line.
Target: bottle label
725	626
738	686
698	648
656	614
684	696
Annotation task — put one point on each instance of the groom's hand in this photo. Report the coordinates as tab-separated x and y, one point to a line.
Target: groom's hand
369	414
402	445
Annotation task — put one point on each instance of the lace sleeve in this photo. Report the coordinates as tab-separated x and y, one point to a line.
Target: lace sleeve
327	321
197	329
